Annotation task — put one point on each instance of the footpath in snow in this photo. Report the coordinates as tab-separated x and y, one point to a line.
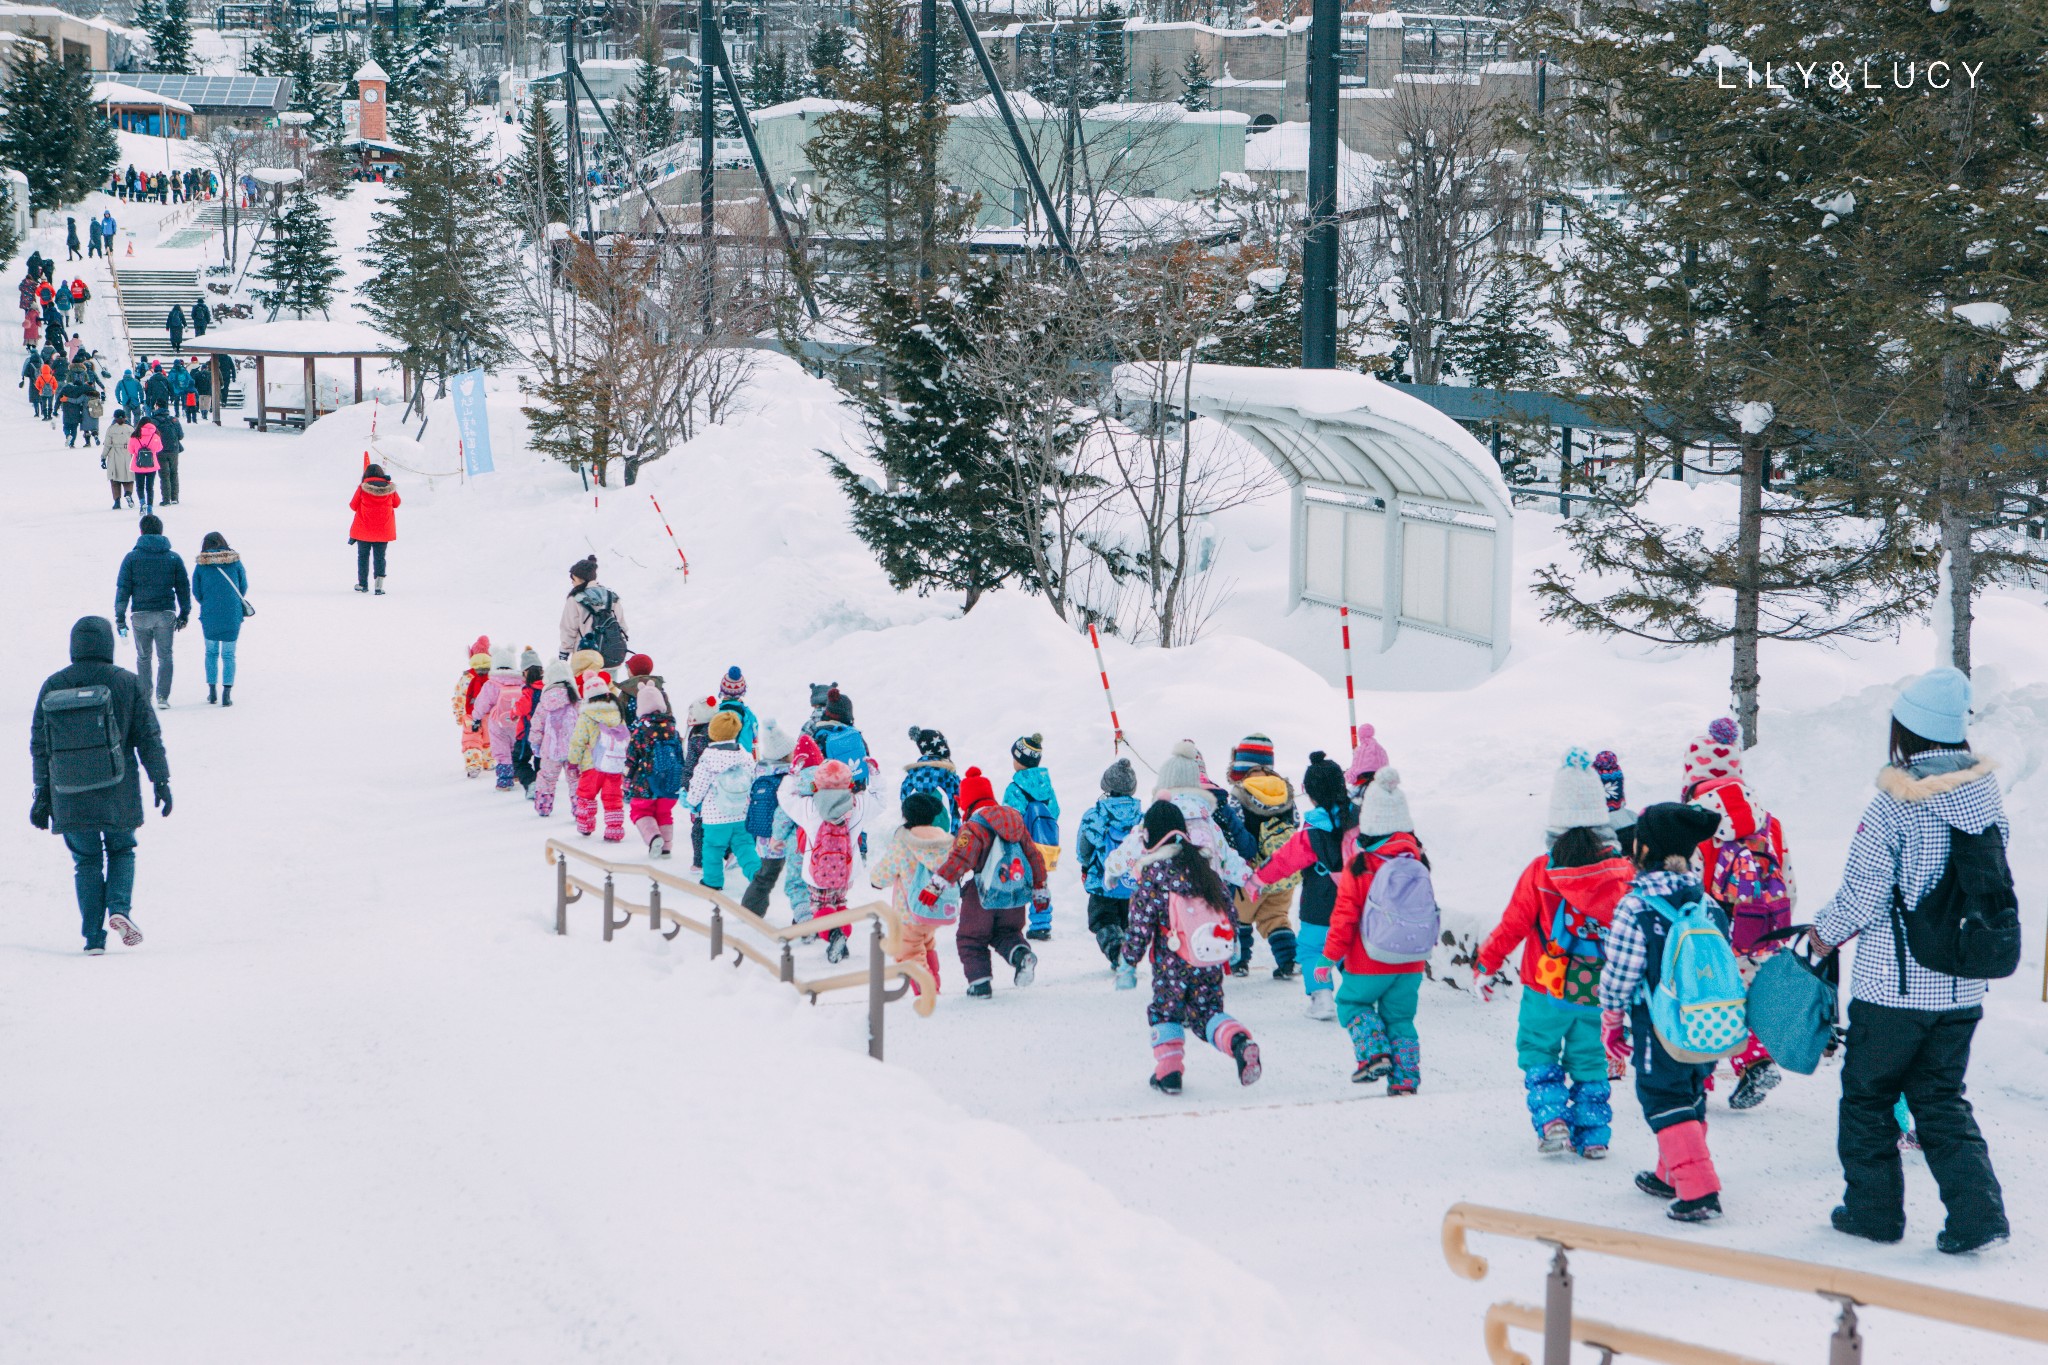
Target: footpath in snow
352	1100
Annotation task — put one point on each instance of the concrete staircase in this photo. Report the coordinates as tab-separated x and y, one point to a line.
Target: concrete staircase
147	296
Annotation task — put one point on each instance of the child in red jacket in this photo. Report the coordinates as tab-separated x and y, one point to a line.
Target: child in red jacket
1559	916
1377	1001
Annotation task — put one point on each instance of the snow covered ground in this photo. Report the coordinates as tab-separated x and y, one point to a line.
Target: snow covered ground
353	1101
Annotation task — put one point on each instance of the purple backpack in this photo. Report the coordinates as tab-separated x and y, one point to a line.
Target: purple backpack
1400	923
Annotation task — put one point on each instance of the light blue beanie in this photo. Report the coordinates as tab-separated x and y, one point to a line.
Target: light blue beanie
1936	706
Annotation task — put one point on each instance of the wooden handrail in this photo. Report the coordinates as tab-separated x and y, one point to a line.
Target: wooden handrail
1858	1287
927	992
1604	1336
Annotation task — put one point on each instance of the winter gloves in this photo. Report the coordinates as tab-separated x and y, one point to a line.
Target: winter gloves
163	799
1481	985
39	811
1614	1037
929	897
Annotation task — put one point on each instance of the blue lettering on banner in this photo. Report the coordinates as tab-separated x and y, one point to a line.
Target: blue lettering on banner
473	422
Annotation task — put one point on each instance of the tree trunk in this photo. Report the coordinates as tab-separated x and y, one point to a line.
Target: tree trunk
1954	513
1749	543
973	596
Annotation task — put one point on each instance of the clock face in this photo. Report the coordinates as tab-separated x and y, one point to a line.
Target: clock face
369	97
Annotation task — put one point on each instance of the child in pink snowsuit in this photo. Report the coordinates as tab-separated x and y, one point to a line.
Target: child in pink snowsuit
497	704
554	719
598	746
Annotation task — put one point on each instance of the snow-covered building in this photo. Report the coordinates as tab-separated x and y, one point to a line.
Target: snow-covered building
135	110
98	44
213	101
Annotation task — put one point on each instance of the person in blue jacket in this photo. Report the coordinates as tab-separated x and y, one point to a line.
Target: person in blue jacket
128	391
1103	826
1030	794
220	585
153	581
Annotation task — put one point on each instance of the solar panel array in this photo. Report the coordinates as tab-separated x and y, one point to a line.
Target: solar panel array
234	92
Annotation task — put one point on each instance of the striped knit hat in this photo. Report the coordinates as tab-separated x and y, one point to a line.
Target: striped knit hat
1253	751
733	684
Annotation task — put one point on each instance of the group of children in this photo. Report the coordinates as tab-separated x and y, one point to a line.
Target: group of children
1192	878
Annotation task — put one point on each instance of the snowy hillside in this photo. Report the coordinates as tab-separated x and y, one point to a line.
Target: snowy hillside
352	1101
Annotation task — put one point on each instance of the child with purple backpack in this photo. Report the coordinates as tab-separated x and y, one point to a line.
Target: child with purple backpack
1382	930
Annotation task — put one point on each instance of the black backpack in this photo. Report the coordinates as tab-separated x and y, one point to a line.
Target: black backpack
605	634
1968	923
88	750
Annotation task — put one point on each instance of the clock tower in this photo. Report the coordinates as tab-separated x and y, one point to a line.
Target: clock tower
370	88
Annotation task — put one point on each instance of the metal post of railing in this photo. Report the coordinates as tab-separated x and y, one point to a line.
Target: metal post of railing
561	894
788	971
607	907
717	931
1845	1347
654	906
877	997
1557	1310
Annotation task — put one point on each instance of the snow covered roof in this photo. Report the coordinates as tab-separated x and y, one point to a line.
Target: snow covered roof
1396	503
370	71
303	337
120	92
810	106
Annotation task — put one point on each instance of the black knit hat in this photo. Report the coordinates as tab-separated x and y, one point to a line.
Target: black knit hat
1324	781
922	808
1673	829
1028	750
1161	819
839	707
930	744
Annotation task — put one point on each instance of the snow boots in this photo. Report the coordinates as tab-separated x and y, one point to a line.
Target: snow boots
585	810
1591	1116
1322	1005
1406	1077
1759	1078
379	589
212	695
836	948
227	695
1369	1043
1686	1169
614	825
1169	1057
1583	1111
504	771
1548	1101
125	927
1283	946
1241	954
980	990
1245	1053
1026	963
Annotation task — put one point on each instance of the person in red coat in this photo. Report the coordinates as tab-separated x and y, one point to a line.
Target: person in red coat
375	526
1377	1001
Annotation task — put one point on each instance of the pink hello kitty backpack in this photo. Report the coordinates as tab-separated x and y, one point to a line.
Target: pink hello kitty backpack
1197	932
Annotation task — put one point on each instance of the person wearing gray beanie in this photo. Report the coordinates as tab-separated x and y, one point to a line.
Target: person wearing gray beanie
1104	826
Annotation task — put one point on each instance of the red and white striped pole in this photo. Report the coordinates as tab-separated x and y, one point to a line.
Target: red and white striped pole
1116	726
671	536
1350	692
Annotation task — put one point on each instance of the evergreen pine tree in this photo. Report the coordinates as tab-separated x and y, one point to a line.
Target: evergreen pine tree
10	241
1262	325
770	80
1194	83
1684	317
535	176
51	131
438	256
943	518
827	54
300	262
1112	68
1934	197
169	26
877	161
653	116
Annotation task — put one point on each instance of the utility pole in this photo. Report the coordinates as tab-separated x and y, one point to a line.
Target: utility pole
1319	251
928	96
710	55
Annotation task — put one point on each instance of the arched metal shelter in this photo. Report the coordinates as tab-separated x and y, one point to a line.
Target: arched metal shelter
1398	512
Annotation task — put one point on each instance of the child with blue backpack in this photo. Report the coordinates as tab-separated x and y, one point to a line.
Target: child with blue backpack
1030	794
933	771
721	788
916	852
732	696
772	830
838	739
1104	826
1000	873
1559	916
1316	852
1182	916
1669	983
654	770
1382	929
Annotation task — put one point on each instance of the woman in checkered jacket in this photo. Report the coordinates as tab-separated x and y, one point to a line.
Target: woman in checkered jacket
1910	1027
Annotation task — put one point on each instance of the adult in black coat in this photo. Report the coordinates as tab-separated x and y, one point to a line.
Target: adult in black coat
202	317
71	238
98	825
154	589
175	324
172	432
156	387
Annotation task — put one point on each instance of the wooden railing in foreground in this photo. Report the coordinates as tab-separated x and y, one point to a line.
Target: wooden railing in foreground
1850	1289
884	938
